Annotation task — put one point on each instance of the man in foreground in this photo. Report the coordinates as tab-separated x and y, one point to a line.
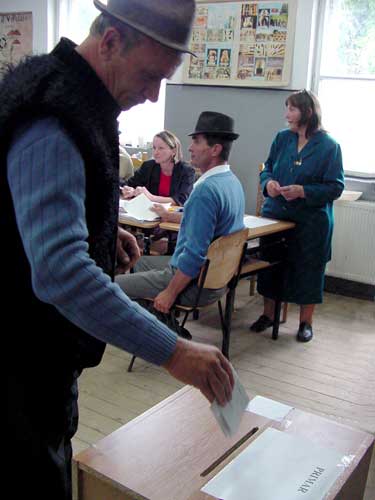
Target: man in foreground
59	192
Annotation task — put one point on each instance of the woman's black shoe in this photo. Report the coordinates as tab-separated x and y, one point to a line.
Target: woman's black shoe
305	332
261	324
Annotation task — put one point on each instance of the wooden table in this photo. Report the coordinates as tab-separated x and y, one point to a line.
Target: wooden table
161	454
278	227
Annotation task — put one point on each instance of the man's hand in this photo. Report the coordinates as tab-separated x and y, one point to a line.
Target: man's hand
164	301
127	251
204	367
292	192
273	188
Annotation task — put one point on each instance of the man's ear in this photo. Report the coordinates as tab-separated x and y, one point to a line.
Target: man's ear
110	43
217	149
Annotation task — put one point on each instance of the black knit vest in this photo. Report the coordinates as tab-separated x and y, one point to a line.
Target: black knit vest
64	86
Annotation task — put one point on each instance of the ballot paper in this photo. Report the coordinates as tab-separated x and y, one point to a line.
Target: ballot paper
140	208
252	222
268	408
229	416
278	465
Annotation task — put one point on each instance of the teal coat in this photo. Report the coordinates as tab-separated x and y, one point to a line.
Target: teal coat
318	168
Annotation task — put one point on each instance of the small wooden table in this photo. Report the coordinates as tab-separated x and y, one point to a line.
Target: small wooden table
161	454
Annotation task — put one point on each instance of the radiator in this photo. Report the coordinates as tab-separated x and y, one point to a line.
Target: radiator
353	246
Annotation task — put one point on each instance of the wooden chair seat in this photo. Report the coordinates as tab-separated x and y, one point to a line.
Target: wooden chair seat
221	270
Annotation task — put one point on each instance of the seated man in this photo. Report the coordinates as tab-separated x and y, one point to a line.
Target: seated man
215	208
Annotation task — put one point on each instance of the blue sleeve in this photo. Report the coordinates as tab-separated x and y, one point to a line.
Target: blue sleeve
200	221
332	183
47	183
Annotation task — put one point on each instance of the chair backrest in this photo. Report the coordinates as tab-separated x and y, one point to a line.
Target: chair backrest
224	258
260	197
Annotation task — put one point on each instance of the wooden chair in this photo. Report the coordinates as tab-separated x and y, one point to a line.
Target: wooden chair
258	212
221	270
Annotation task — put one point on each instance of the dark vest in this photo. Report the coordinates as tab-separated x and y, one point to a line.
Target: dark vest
64	86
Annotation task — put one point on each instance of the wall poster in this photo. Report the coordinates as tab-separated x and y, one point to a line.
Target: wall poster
241	43
16	37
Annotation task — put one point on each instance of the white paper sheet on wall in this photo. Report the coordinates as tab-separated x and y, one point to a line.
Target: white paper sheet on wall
278	465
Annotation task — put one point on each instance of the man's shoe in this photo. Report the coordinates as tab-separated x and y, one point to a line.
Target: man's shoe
305	332
183	332
261	324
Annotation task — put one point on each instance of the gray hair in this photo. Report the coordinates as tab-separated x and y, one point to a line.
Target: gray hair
129	36
171	141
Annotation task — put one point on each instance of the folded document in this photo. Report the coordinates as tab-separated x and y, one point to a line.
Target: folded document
140	208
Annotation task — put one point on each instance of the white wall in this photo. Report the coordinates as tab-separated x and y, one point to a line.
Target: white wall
43	20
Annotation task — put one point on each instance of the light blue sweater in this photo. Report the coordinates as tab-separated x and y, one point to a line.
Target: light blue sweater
47	182
215	208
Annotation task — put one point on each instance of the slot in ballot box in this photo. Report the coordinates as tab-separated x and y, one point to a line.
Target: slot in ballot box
170	452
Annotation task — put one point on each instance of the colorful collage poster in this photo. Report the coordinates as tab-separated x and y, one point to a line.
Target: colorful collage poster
16	37
242	43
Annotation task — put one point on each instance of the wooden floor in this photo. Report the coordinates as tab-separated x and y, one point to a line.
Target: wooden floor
332	376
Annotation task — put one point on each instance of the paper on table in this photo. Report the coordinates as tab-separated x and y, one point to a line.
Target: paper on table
277	465
229	416
252	222
268	408
139	208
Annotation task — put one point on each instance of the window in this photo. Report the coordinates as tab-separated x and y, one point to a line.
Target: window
346	80
139	124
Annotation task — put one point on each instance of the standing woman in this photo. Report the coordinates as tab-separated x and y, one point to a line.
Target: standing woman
303	175
165	178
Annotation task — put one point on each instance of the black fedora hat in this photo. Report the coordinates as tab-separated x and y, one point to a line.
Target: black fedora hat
213	123
168	22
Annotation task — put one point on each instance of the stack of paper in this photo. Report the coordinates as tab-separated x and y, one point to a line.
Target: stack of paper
252	222
140	208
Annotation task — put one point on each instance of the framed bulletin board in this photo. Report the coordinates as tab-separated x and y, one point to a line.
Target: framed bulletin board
239	43
16	37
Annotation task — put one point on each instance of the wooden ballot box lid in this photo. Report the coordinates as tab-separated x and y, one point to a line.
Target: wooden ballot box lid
162	453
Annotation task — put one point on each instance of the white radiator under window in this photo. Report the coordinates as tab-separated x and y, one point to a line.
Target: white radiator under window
353	248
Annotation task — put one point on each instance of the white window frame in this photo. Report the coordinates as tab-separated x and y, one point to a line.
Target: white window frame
317	76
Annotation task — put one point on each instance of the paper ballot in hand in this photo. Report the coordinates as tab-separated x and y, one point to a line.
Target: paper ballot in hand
140	208
229	416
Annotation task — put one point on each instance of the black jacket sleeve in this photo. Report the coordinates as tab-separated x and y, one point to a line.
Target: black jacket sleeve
182	182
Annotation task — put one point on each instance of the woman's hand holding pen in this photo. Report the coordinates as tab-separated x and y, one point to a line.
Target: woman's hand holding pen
127	192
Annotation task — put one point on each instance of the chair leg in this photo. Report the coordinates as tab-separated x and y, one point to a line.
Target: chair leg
227	323
131	364
276	321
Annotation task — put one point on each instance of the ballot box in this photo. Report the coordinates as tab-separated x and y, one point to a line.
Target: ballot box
174	449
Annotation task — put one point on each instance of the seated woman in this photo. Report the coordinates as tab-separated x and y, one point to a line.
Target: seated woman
165	178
